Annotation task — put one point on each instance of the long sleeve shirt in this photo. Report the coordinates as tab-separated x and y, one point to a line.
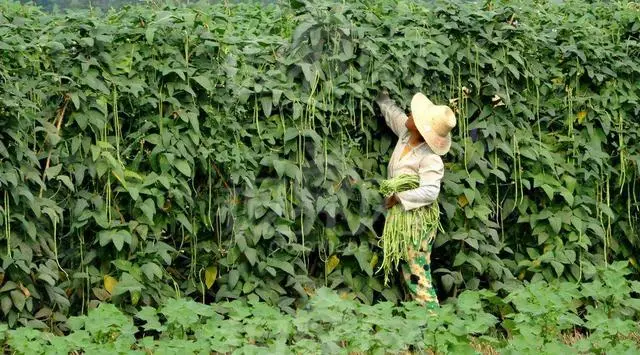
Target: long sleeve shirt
419	160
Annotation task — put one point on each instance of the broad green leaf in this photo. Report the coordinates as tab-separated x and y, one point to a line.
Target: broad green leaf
234	276
566	194
556	223
66	181
148	208
149	34
183	167
152	271
282	265
548	190
5	303
185	222
308	71
251	255
353	221
18	299
53	171
127	284
266	105
203	81
362	256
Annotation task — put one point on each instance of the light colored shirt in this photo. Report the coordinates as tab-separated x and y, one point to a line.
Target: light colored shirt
419	160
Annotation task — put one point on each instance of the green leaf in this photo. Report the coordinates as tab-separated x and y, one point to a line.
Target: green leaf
307	70
363	256
475	264
92	80
151	270
548	190
353	220
18	299
282	265
133	192
185	222
241	241
183	167
149	34
150	316
568	196
470	195
447	282
251	255
291	133
558	267
76	101
234	276
266	105
5	304
53	171
556	223
298	33
116	236
204	82
66	181
126	284
148	208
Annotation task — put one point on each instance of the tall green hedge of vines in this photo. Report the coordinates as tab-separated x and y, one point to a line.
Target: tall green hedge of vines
224	152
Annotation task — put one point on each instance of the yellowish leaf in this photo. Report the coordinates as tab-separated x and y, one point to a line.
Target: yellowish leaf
110	283
135	297
346	295
581	115
374	260
210	275
462	200
132	174
536	263
331	264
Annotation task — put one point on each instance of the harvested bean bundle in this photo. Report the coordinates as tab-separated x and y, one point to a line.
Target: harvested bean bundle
405	228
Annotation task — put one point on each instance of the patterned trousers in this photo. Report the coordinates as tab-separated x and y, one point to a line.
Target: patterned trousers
417	274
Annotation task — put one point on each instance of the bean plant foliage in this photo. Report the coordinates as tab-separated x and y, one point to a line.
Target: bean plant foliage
552	317
233	152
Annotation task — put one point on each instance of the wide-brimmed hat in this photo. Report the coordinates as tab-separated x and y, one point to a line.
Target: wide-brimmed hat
434	122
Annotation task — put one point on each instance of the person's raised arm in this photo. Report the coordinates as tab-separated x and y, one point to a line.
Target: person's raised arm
393	115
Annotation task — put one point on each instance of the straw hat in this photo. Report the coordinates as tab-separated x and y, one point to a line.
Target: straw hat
434	122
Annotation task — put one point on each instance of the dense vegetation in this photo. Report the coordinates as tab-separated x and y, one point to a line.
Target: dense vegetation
548	318
234	152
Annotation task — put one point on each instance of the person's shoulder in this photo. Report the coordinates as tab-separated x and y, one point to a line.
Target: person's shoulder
426	151
429	157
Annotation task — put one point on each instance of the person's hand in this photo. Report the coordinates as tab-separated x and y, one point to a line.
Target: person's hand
390	201
382	95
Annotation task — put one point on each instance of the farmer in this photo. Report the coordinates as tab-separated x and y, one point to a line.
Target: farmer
423	136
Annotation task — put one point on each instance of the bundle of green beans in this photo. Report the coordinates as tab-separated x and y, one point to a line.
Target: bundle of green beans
403	229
